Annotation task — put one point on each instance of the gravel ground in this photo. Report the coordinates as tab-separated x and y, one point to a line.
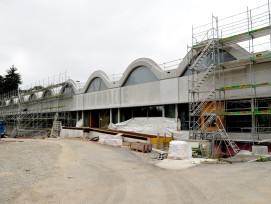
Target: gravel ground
20	167
78	171
151	157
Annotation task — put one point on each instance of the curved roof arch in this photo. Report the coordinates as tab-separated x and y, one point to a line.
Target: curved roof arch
26	97
13	100
146	62
235	50
2	102
72	84
7	102
36	95
56	90
97	74
47	93
97	84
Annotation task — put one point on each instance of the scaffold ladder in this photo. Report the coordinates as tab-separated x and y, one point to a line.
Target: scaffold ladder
225	137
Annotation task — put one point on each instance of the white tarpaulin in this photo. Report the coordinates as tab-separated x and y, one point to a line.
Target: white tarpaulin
151	126
79	123
179	150
115	140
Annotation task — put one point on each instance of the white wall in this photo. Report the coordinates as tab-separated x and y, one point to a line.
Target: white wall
167	91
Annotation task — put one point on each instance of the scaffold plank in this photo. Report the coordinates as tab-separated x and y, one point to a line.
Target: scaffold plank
243	86
256	33
256	112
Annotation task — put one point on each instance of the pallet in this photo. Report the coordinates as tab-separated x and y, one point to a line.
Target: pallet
142	147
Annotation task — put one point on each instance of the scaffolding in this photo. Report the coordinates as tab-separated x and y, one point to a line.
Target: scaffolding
208	78
35	110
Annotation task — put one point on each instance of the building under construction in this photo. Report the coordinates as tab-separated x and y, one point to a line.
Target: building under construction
219	90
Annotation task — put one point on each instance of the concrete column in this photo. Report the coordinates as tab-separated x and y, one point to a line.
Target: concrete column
89	118
118	115
77	116
163	111
176	110
178	121
111	116
253	125
83	118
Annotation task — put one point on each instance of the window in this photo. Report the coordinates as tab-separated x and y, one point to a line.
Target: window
140	112
155	111
68	90
183	115
47	93
140	75
33	97
96	84
263	103
263	121
114	115
125	114
238	123
170	111
224	56
238	105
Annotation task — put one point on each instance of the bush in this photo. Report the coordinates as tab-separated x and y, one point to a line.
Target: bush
262	159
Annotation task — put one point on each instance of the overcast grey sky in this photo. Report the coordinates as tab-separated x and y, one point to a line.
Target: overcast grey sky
43	38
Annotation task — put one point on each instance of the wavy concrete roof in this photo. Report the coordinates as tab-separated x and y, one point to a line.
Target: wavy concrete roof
235	50
155	68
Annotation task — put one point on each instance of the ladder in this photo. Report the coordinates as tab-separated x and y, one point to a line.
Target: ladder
56	129
200	73
206	100
225	137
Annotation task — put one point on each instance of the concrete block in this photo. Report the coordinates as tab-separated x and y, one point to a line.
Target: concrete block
260	150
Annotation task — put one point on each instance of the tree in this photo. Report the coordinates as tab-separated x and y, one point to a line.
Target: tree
10	81
1	84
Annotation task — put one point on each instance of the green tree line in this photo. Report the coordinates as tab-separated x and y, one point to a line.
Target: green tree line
10	81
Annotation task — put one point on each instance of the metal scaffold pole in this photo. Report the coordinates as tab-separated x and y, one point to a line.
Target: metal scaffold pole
205	104
269	20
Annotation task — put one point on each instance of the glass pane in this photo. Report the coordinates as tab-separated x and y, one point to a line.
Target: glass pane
104	118
170	111
140	75
33	97
155	111
140	112
47	93
68	90
238	123
115	115
183	115
125	114
224	56
96	84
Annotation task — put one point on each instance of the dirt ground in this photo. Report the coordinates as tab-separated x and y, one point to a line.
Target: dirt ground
79	171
